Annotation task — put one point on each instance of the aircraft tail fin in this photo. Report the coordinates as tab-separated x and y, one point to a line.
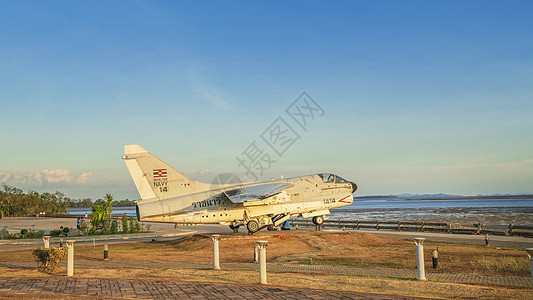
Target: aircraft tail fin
154	179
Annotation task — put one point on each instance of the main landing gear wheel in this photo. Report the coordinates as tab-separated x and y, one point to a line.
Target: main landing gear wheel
318	220
252	226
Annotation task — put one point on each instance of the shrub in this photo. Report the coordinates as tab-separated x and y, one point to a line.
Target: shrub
66	230
48	258
107	227
132	224
55	232
137	225
124	223
35	234
23	232
84	227
114	226
4	234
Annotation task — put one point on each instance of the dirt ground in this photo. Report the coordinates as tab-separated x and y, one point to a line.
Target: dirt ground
298	247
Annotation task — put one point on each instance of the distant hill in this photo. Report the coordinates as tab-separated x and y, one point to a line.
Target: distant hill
441	196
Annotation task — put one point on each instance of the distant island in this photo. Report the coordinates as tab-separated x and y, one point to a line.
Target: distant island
441	196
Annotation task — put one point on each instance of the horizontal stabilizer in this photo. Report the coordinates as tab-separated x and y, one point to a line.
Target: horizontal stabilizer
256	193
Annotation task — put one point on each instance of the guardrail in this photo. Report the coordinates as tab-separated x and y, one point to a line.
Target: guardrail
75	216
422	226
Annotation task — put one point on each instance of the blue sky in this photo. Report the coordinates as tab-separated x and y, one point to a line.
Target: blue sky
419	96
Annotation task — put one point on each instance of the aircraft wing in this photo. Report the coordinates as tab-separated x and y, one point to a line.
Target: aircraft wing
256	192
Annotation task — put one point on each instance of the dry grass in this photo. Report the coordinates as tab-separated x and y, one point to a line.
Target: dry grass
343	248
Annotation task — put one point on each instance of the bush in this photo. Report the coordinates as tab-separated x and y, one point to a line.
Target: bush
66	230
55	232
107	227
48	258
114	226
84	227
124	223
35	234
4	234
132	224
137	225
23	232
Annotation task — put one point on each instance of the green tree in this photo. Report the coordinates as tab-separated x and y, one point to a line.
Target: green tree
108	205
98	216
101	214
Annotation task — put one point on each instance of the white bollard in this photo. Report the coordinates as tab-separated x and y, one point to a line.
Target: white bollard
262	262
46	241
530	254
70	258
216	264
420	258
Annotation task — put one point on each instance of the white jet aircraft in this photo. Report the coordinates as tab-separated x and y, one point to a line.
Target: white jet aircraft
168	196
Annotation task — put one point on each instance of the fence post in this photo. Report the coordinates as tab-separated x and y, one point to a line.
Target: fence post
216	264
70	258
530	254
420	258
511	229
377	225
106	252
358	224
46	241
422	226
399	226
262	262
449	228
435	258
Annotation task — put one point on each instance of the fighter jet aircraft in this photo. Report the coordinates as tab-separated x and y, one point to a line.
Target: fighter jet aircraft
170	197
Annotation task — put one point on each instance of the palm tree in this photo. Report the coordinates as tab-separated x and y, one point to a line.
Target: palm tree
108	205
98	215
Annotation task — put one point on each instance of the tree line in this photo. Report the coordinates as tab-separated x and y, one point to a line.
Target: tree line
88	202
16	203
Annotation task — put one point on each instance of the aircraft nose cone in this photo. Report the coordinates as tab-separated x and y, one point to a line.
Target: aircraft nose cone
354	187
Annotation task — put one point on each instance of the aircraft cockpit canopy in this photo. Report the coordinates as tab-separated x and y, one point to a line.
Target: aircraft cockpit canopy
332	178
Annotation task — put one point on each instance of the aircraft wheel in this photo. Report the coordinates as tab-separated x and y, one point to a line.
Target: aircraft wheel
271	227
318	220
233	227
252	226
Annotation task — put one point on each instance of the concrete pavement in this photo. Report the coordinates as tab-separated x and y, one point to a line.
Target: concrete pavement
108	288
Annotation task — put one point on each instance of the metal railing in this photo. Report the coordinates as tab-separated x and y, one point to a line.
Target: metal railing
422	226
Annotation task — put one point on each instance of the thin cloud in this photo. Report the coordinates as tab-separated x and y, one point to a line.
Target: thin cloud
198	172
82	179
44	177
